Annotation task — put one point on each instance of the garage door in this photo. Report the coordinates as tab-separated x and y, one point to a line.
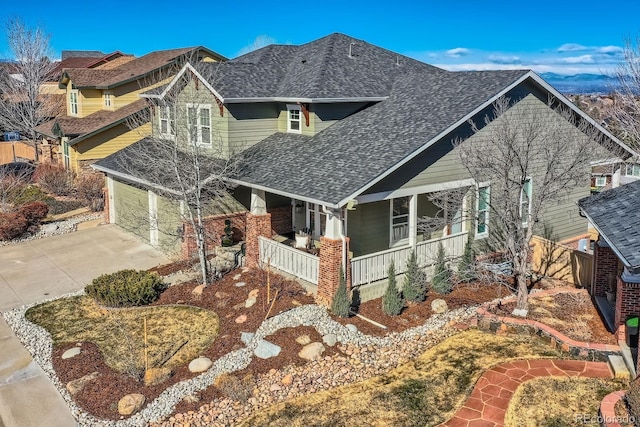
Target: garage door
131	206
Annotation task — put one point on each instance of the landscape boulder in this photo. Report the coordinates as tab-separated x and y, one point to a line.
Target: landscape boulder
330	339
200	364
72	352
130	404
266	350
439	306
74	387
311	351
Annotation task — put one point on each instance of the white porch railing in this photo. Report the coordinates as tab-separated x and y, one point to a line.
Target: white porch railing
290	260
372	267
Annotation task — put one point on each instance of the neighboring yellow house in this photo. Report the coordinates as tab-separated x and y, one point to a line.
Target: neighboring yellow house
104	112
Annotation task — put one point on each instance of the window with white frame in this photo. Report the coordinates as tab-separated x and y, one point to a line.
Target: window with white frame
167	124
525	200
107	96
294	124
199	119
73	102
482	207
399	224
601	181
633	169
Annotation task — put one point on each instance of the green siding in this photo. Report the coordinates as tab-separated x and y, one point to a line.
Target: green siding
441	163
368	228
131	209
169	225
249	124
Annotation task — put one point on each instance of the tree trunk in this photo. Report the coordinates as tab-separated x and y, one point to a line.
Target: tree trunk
522	301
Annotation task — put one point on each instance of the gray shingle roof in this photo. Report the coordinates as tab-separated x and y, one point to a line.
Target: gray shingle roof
340	160
319	69
616	215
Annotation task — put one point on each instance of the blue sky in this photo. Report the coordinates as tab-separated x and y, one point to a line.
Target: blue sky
566	37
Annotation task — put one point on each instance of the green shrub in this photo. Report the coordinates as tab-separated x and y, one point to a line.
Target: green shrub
414	287
441	282
12	225
29	194
126	288
392	302
340	304
467	264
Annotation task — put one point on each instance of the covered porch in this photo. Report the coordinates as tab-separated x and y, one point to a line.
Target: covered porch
312	242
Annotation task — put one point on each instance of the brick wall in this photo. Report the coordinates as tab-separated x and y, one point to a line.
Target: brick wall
605	269
329	273
214	226
281	220
627	301
257	225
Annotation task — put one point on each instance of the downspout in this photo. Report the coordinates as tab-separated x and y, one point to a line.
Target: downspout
344	243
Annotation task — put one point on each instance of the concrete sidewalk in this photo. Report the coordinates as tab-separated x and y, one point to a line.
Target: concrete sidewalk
41	269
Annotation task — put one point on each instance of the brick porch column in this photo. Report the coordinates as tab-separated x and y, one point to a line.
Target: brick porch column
257	225
329	272
605	268
627	297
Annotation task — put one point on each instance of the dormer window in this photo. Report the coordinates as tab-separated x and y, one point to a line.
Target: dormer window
293	119
199	120
73	103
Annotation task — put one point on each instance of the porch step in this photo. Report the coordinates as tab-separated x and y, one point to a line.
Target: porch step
619	367
629	359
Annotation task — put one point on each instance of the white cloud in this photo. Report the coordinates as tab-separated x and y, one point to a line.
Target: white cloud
504	59
572	47
458	52
610	50
259	42
583	59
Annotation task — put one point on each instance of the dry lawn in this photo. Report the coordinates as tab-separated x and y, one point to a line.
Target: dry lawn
424	392
558	401
175	334
545	309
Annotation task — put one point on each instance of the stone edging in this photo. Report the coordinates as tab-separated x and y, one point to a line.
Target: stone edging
607	412
492	322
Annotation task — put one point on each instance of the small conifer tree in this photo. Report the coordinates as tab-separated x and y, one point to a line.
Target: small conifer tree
340	304
392	302
441	282
467	265
414	286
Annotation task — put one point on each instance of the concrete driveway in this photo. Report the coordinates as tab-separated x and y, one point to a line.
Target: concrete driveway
44	268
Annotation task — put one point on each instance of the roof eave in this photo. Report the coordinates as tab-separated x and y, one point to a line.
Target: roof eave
84	136
283	193
621	257
133	179
305	100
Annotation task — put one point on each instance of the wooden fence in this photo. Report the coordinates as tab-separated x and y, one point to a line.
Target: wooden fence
558	261
290	260
11	151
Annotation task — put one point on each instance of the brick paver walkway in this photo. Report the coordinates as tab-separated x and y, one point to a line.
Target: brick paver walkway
490	398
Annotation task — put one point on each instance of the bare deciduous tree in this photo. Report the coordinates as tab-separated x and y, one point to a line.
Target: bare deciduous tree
530	160
23	106
186	158
625	111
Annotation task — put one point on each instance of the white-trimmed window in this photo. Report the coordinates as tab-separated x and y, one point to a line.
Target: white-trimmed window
525	200
633	170
601	181
73	103
482	207
107	97
294	124
167	123
199	119
399	224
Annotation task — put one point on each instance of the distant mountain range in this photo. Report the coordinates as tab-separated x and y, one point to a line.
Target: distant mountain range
580	84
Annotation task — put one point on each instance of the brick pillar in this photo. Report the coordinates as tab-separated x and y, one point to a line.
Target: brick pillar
627	301
107	206
329	273
257	225
605	269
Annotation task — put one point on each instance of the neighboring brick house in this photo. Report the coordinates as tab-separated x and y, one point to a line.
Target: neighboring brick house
615	215
345	142
103	95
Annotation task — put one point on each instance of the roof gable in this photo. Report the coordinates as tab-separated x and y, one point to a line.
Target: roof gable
616	216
